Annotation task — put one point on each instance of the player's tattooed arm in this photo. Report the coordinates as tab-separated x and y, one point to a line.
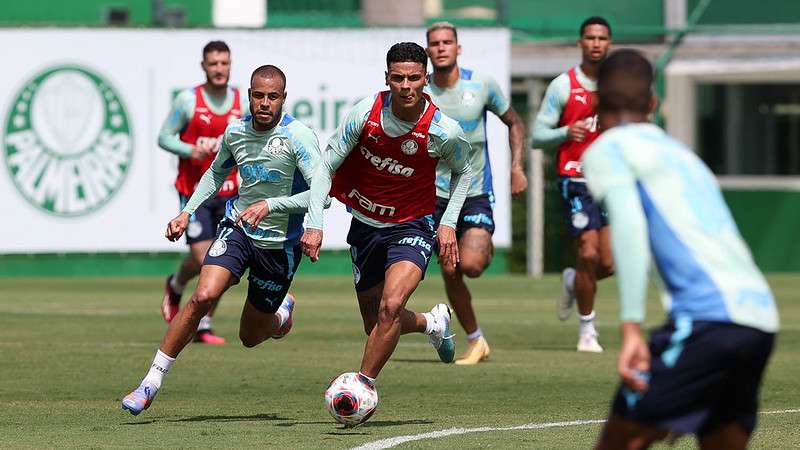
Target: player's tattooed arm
498	104
516	141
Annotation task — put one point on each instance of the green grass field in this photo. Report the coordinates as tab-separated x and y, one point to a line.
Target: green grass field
71	348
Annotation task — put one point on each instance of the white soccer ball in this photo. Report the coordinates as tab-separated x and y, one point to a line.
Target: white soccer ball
349	400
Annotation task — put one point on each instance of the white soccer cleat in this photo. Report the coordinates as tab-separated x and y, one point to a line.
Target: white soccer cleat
566	303
587	342
140	399
441	339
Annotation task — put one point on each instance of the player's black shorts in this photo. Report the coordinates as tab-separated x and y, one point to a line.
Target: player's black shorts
374	249
477	212
205	220
580	210
271	270
702	375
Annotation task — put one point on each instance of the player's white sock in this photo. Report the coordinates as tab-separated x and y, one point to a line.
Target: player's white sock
159	368
369	379
569	280
430	326
283	312
587	324
175	285
205	323
475	335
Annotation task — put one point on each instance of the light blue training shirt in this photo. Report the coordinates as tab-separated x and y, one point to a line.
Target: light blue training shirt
664	202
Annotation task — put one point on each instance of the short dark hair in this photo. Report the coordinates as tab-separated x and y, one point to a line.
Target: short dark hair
624	82
269	71
215	46
407	52
441	26
594	20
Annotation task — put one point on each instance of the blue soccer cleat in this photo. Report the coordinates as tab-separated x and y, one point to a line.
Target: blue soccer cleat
441	339
140	399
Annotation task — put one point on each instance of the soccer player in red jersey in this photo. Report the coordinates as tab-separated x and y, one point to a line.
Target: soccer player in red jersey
381	163
192	130
567	120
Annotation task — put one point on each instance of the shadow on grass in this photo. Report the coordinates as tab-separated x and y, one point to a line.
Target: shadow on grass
248	418
354	430
394	423
416	361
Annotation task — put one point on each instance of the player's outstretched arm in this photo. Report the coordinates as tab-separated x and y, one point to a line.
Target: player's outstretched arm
311	242
180	113
213	178
448	246
499	104
253	215
633	363
516	141
454	152
611	179
177	226
339	146
307	158
295	204
546	132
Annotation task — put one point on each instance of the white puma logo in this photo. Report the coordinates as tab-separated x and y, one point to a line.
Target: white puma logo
581	98
206	118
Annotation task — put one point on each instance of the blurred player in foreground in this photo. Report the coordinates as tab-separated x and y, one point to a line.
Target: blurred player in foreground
381	163
702	370
276	155
196	121
465	96
567	119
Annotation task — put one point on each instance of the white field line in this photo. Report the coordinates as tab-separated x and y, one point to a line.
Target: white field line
395	441
391	442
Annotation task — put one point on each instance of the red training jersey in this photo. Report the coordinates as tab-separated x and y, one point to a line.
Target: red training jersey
205	124
391	179
578	107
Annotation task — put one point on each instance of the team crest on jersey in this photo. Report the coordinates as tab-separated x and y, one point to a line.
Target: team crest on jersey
68	141
468	98
277	145
409	147
219	247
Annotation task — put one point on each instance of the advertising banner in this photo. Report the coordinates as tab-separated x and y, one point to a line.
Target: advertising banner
81	110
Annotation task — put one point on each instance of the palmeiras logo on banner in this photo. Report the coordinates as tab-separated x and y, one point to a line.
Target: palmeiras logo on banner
68	143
